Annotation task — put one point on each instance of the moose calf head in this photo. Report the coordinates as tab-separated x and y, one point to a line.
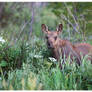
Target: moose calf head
51	36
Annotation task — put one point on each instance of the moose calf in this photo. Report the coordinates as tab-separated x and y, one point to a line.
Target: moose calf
61	47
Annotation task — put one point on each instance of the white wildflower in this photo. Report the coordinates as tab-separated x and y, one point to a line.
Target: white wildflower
52	59
38	56
2	40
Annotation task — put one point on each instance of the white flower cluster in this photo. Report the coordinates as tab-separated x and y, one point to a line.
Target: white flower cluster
2	40
52	59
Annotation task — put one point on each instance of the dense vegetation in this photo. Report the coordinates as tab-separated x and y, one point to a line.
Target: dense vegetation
25	62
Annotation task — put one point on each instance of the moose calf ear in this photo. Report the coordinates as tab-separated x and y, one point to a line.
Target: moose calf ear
59	28
44	28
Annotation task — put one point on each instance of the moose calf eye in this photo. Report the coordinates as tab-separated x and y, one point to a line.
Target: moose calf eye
55	37
46	37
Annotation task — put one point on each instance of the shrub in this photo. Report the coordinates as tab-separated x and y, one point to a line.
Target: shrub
12	57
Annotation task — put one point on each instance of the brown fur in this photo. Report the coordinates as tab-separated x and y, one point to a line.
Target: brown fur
61	47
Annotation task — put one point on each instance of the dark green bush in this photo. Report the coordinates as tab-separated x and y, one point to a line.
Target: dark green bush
12	57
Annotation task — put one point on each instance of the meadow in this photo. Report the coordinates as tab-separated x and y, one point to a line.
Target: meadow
25	61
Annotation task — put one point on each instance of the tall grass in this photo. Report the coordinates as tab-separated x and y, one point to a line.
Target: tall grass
72	77
39	72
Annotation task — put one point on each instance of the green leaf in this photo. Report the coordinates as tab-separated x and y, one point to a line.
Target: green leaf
3	63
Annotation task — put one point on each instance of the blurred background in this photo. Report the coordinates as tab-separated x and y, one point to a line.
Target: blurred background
20	21
25	62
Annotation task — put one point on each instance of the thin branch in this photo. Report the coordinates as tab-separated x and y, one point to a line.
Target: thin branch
69	22
69	11
22	29
32	21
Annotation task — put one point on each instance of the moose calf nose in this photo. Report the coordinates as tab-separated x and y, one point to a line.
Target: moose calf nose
48	43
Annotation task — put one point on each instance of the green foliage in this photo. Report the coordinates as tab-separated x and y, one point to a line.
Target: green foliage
70	78
12	57
79	12
27	62
21	79
3	63
38	72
